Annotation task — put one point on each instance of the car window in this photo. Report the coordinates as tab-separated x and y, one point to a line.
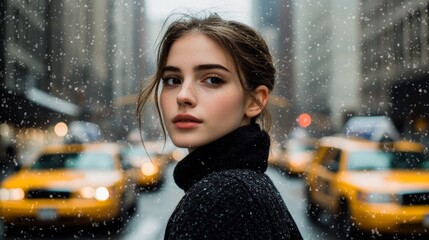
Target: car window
130	152
368	160
331	159
137	154
379	160
301	147
83	161
408	160
125	162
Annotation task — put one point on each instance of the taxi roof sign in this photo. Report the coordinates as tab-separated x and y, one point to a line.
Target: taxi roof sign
374	128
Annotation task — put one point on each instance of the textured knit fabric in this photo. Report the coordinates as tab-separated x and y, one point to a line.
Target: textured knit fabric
227	193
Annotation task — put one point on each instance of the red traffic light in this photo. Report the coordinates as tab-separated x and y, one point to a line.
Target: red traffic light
304	120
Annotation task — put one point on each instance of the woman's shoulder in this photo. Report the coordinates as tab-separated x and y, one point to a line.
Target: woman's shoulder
239	201
241	177
231	194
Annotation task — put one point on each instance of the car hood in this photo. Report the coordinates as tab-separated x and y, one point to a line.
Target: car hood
61	179
300	156
389	180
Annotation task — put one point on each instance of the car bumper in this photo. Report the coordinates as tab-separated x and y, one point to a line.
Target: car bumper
58	212
147	181
296	167
392	218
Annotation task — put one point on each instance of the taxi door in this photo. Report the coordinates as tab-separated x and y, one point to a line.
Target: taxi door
328	168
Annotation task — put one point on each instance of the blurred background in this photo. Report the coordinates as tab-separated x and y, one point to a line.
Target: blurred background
68	62
85	60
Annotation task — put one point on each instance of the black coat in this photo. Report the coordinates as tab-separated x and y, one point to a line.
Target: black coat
227	194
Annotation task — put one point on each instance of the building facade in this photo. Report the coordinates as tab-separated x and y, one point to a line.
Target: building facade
273	19
327	62
395	63
64	61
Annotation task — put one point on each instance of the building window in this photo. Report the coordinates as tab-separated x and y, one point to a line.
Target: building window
399	42
414	36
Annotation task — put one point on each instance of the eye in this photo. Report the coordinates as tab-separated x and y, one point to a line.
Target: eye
171	81
214	80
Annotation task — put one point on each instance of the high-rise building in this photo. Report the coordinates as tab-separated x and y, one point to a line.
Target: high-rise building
62	61
25	86
273	19
327	62
395	63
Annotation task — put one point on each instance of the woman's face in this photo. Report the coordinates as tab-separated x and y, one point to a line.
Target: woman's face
201	98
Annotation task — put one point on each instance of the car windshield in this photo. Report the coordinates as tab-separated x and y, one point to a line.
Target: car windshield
81	161
379	160
302	148
139	152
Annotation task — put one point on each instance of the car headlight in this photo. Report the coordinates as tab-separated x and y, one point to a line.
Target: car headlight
177	155
149	169
98	193
11	194
377	197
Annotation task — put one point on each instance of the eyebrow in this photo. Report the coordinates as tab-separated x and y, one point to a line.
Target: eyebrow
170	69
196	68
210	66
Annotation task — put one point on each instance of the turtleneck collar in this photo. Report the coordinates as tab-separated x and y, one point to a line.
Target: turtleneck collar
244	148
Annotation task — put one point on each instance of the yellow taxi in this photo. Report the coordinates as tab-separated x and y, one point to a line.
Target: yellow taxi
69	185
148	162
275	154
368	186
297	155
177	154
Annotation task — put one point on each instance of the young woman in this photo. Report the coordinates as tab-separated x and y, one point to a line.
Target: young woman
214	78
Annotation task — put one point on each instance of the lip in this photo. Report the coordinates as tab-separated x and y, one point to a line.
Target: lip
185	121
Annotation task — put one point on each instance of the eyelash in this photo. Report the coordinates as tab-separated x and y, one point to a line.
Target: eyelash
166	81
171	81
219	80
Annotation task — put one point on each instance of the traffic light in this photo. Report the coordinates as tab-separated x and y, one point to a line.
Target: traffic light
304	120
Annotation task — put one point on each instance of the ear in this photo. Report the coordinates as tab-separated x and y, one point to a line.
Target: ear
262	94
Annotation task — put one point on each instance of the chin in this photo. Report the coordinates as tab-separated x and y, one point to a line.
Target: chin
192	140
188	144
180	143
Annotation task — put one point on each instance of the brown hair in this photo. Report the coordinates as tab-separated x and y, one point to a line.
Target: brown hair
249	51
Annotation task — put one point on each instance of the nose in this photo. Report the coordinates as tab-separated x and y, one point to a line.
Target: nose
187	95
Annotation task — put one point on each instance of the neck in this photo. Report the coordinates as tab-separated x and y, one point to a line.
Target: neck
245	148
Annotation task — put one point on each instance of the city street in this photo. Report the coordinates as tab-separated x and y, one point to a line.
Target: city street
342	88
154	209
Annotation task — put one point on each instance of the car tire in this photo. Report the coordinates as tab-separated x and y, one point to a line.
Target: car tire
154	187
287	171
6	229
2	229
345	224
133	208
312	208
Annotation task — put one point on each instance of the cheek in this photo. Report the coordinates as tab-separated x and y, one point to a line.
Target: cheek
233	103
165	103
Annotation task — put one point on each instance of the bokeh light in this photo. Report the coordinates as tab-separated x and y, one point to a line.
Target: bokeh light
61	129
304	120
